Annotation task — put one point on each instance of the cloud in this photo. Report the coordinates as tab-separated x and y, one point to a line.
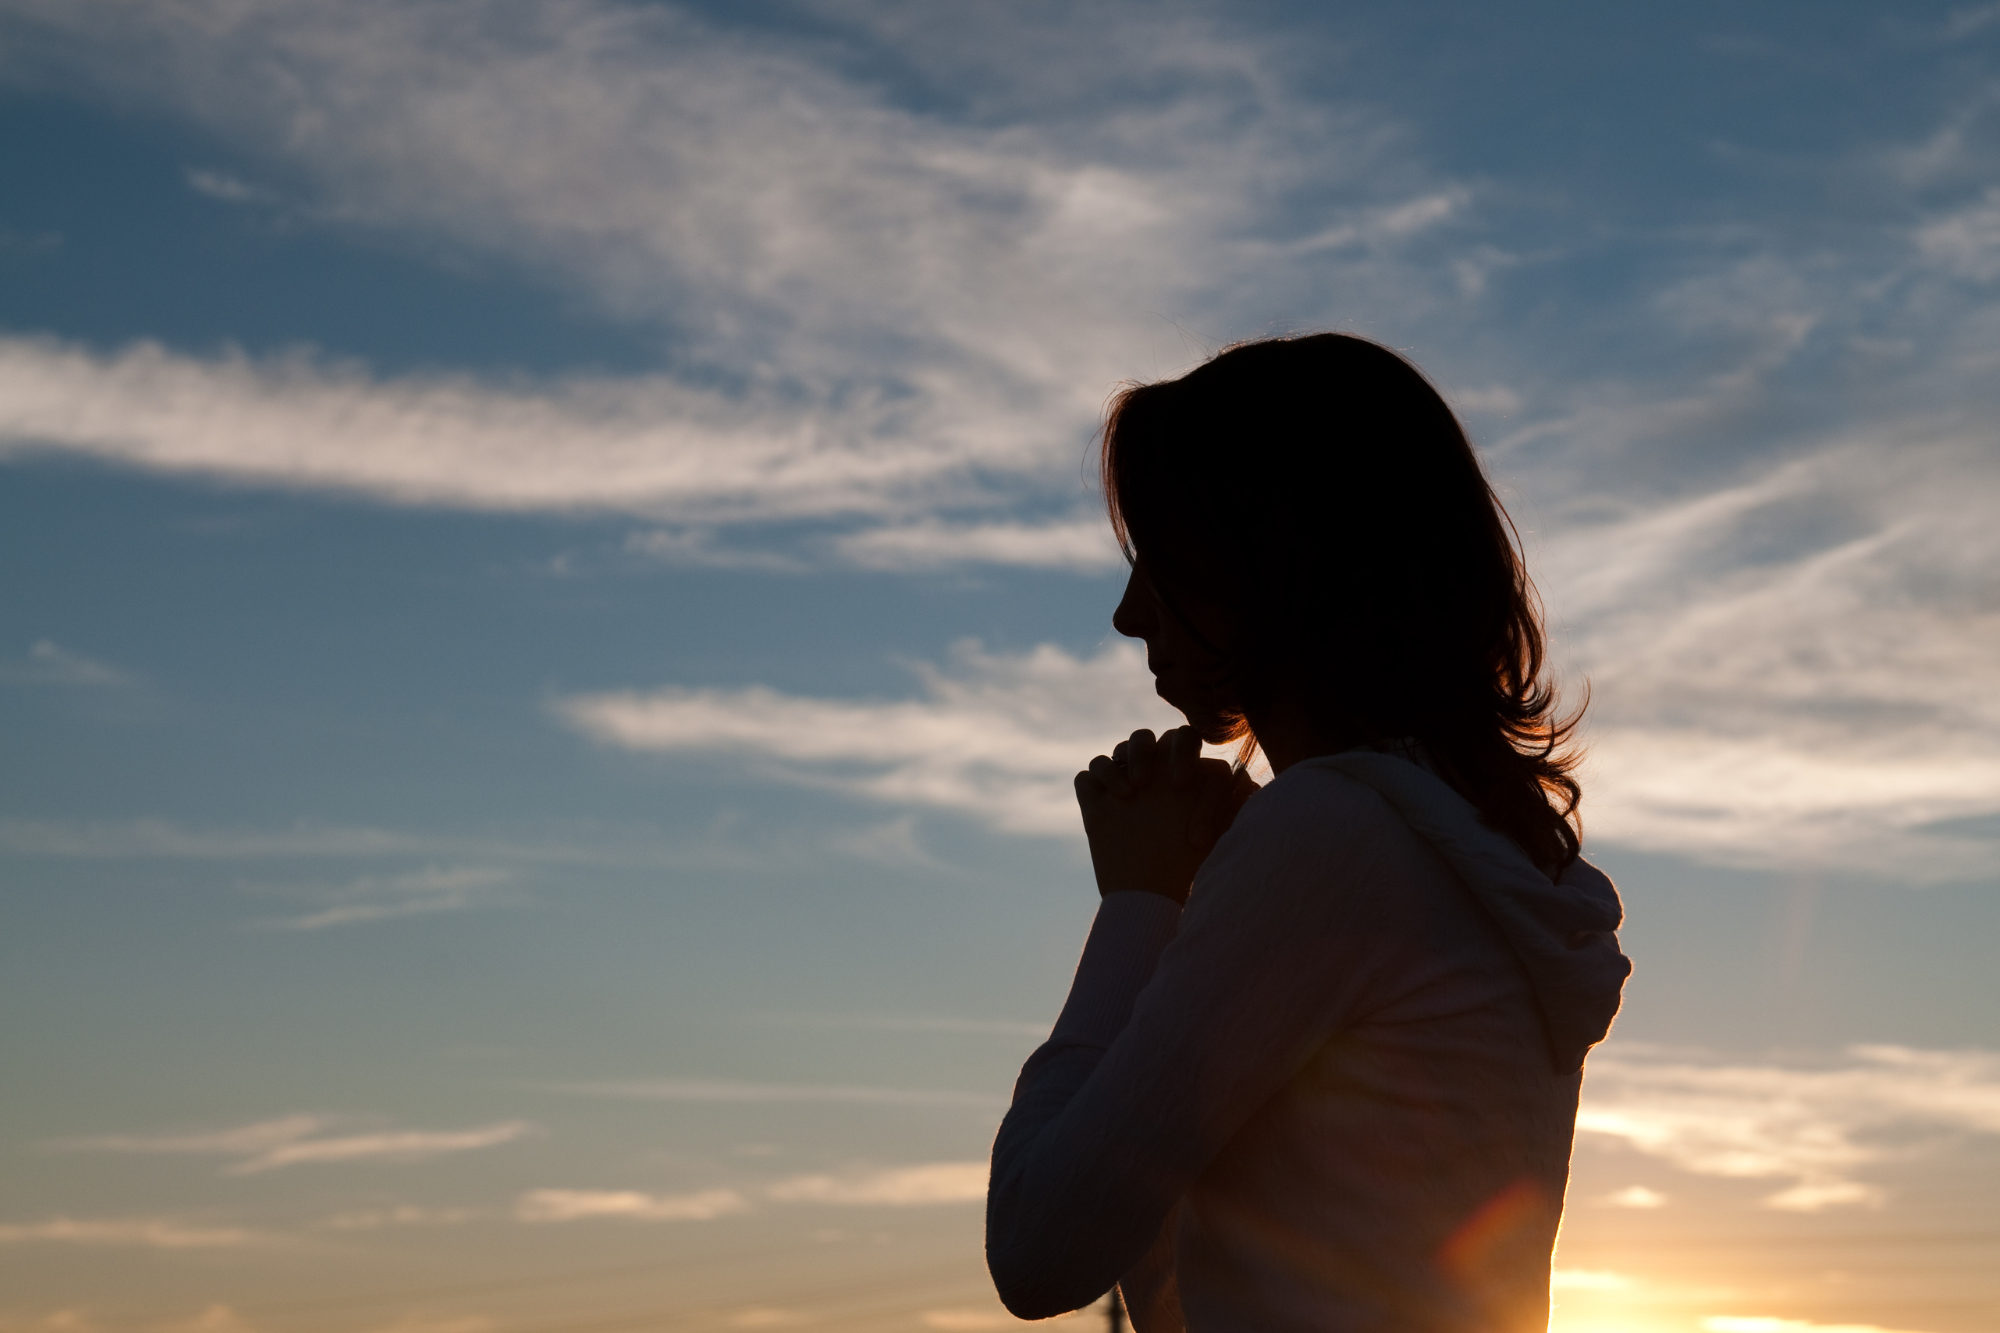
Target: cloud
987	1027
422	1323
1966	243
153	1233
1813	1127
1803	711
147	838
387	897
48	664
1081	544
559	1205
966	1321
397	1146
869	308
898	321
1588	1279
403	1215
646	446
702	548
768	1316
905	1186
298	1139
221	185
996	737
1635	1196
216	1318
1962	23
732	1091
1792	670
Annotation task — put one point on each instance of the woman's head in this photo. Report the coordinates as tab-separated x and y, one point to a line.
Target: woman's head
1309	525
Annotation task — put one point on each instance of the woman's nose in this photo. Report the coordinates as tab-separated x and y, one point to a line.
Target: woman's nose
1134	617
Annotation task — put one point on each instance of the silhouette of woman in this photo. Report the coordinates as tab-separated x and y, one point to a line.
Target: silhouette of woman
1319	1065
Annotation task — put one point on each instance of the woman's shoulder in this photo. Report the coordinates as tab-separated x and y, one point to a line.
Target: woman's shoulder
1319	814
1310	851
1311	798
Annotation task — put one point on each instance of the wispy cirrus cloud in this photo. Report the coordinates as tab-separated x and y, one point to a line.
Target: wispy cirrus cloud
894	1187
996	737
871	309
1807	717
899	321
151	1233
572	1205
1814	1127
371	898
890	1187
168	839
1793	670
748	1093
296	1140
47	663
401	1215
1083	544
938	1023
650	447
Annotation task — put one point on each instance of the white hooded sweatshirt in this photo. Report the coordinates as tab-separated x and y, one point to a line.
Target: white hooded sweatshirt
1336	1093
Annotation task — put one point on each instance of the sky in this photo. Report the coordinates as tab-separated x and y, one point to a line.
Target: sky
552	595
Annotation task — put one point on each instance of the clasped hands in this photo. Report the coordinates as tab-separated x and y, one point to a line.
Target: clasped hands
1153	809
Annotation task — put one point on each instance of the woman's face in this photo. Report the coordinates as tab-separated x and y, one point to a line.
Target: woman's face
1188	638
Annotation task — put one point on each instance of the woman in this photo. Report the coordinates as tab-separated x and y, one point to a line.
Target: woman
1333	1087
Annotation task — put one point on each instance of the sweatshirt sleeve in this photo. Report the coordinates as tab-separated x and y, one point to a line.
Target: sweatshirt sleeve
1175	1033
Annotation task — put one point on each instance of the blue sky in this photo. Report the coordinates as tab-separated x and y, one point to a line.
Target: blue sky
552	597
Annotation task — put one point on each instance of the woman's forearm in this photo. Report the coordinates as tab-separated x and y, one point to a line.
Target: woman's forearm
1038	1274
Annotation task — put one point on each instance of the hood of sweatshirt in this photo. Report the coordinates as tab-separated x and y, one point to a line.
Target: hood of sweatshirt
1563	931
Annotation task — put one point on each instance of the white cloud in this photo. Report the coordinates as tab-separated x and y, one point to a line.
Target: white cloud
221	185
645	446
145	838
153	1233
868	305
732	1091
216	1318
388	897
1635	1196
966	1321
702	548
903	1186
907	320
997	737
1083	544
402	1215
393	1146
298	1139
768	1316
1800	710
422	1323
1966	243
560	1205
989	1027
1794	670
1815	1127
1964	22
141	839
48	664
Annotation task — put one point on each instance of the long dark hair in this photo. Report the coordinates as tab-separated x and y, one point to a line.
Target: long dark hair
1321	487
